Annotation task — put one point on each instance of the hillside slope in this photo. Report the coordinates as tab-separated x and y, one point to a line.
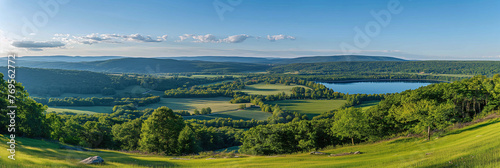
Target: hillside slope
473	146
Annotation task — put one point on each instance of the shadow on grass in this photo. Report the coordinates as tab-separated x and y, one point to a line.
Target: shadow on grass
402	140
261	89
474	127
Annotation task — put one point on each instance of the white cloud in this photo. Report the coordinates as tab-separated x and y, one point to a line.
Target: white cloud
141	38
95	38
279	37
37	45
236	38
209	38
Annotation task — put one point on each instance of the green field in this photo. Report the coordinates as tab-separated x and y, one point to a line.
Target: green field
217	104
473	146
269	89
367	104
82	109
309	107
247	114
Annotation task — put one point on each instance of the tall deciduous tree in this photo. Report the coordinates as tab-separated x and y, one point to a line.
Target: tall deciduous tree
187	141
426	114
350	123
128	134
161	131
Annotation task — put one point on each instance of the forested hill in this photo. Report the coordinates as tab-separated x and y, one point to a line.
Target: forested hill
252	60
147	65
488	68
274	60
340	58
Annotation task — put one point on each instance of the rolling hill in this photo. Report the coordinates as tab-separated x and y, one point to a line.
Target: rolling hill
147	65
275	60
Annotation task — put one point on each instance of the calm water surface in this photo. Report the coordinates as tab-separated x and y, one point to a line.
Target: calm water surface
375	87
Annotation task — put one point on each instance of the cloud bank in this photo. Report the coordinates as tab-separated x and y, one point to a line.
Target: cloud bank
37	45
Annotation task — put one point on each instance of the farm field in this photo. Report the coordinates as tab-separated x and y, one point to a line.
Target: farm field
309	107
217	104
269	89
247	114
81	109
473	146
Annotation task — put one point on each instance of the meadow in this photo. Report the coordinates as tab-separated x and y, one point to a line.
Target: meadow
217	104
269	89
309	107
81	109
366	105
246	114
476	145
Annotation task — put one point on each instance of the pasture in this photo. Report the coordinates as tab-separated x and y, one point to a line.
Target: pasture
269	89
247	114
217	104
309	107
81	109
367	104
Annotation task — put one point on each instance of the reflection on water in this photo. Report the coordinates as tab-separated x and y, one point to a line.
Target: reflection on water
377	87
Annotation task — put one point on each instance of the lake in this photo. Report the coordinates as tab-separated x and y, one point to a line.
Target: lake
375	87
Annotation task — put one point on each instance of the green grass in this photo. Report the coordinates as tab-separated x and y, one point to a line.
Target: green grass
473	146
247	114
217	104
309	107
81	109
367	104
269	89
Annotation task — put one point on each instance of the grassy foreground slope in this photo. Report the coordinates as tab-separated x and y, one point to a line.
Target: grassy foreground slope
473	146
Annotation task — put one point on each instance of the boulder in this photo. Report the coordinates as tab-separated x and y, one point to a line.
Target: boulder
93	160
357	152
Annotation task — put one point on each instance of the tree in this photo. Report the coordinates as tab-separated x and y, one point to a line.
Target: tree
96	134
55	126
196	112
128	134
426	114
209	110
204	111
160	132
242	106
72	131
29	114
350	123
187	141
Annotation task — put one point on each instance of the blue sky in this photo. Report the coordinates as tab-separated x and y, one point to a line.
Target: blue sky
418	29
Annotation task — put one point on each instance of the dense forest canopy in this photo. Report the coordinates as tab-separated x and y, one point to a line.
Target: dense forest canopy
488	68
